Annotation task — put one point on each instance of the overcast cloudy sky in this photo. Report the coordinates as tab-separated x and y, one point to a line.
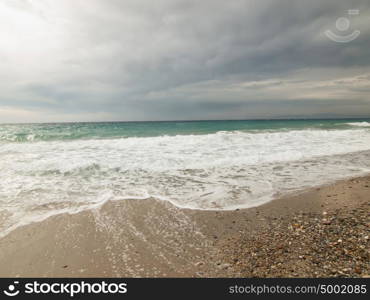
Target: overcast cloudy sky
101	60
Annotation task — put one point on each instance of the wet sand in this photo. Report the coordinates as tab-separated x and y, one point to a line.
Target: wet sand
151	238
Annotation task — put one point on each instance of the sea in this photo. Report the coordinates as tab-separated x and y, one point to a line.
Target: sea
48	169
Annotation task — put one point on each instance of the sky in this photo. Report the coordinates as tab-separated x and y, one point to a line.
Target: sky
113	60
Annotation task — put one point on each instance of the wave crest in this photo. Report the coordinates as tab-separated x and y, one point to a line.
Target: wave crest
359	124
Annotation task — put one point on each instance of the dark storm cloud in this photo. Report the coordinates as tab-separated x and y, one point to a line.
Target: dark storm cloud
128	60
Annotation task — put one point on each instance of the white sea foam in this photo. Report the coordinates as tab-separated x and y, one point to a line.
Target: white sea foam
359	124
215	171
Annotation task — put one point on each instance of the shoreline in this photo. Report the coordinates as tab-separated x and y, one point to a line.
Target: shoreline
153	238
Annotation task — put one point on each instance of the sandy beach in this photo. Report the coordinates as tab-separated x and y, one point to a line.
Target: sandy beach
322	232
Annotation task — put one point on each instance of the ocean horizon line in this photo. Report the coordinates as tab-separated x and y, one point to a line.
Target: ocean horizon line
200	120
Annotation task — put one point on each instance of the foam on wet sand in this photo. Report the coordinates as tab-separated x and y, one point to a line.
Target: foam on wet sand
153	238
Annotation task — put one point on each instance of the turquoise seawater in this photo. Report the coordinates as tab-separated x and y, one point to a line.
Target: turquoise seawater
109	130
48	169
